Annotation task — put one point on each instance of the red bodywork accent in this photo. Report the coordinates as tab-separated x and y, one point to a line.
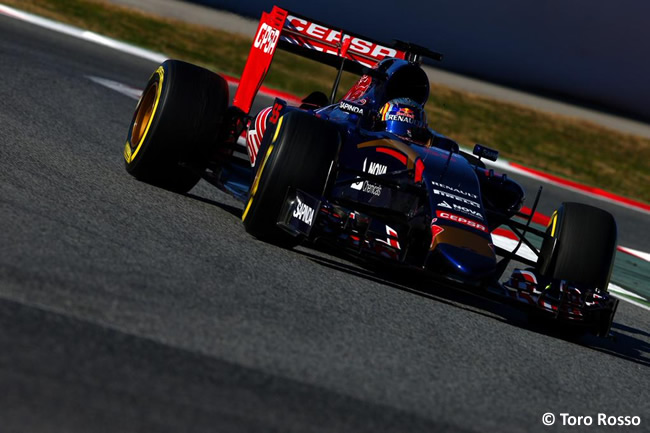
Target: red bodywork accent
255	133
359	89
392	238
435	231
393	153
419	169
275	114
345	46
260	57
528	276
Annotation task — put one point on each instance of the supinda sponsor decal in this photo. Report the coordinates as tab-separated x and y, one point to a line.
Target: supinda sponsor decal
345	106
304	213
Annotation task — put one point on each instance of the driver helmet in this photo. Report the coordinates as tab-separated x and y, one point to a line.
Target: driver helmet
406	118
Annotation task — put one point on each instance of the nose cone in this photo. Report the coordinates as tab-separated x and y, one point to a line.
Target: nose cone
460	263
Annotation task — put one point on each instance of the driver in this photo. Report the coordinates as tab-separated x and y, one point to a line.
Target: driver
406	118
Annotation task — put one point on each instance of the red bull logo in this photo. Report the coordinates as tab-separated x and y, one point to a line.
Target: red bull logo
405	111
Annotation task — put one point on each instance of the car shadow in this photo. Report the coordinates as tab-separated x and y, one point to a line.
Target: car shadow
622	343
445	294
630	329
235	211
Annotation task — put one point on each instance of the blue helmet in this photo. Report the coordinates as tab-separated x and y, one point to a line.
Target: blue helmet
406	118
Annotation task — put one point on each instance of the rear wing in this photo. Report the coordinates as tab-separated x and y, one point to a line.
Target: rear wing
309	38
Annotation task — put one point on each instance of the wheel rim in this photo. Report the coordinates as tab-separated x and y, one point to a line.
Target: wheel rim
143	114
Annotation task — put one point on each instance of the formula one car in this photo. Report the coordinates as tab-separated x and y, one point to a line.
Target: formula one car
366	173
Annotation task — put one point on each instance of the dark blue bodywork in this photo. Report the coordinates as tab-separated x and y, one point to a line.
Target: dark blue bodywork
421	206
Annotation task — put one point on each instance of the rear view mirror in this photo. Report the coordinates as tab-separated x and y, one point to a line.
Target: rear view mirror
485	152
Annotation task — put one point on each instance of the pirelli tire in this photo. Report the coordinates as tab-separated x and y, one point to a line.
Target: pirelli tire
580	246
301	155
176	122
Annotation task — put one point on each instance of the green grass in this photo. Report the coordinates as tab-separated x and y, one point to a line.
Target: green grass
571	148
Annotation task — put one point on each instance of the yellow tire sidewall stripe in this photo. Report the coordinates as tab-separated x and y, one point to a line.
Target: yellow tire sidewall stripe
553	223
277	130
256	182
129	155
258	175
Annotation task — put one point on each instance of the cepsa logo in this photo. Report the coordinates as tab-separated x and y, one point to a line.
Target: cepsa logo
267	38
462	220
321	33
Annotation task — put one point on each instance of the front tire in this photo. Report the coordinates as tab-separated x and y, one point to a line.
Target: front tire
177	119
301	155
580	246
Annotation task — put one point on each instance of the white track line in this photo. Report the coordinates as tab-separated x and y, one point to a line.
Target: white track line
510	244
129	91
83	34
618	289
628	300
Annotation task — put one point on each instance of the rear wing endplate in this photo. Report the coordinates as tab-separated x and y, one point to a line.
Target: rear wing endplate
309	38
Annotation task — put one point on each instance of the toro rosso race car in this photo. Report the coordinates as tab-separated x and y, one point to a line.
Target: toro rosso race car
366	173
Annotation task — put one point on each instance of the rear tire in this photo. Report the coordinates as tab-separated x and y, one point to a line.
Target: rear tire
176	121
580	246
300	156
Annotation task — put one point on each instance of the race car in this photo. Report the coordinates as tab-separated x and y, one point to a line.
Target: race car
367	174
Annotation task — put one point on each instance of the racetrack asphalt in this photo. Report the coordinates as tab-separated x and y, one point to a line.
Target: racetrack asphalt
124	307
